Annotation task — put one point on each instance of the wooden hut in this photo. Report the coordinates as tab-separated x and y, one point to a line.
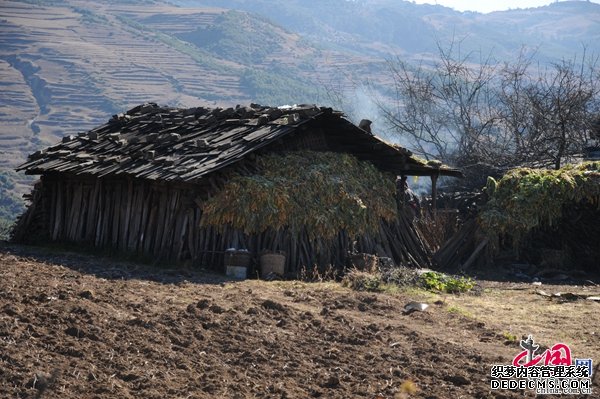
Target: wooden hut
136	184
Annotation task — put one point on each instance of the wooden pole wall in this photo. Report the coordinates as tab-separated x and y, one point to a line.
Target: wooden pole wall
164	222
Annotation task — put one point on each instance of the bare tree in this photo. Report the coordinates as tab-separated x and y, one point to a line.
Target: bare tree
475	113
513	108
563	103
548	112
415	112
445	109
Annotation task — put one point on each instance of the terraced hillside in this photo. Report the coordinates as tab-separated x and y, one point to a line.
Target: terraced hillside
66	68
71	72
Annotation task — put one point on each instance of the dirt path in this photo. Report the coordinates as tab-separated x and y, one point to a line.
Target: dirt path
74	326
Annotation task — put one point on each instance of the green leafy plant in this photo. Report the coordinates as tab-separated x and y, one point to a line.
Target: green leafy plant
509	336
459	284
444	283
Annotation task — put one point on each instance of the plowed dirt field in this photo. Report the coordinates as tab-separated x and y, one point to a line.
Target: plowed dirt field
77	326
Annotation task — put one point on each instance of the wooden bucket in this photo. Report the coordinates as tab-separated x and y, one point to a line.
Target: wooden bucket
272	263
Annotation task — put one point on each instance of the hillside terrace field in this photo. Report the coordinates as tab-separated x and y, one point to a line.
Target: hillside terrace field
68	67
75	326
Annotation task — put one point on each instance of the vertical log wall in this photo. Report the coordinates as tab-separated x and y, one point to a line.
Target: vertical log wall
162	221
122	214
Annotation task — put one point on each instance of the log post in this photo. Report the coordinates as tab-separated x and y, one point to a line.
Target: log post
434	178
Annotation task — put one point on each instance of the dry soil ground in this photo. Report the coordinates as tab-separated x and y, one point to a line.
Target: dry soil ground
76	326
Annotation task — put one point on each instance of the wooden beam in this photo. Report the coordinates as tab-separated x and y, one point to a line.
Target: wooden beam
434	178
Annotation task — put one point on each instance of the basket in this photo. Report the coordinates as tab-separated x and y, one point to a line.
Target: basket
237	258
272	263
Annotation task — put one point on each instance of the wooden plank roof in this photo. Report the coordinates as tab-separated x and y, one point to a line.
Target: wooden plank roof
175	144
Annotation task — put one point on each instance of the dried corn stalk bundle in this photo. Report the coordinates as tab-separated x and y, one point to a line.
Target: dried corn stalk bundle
525	199
319	193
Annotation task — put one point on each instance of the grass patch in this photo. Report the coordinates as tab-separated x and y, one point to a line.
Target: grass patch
510	337
460	311
420	294
391	289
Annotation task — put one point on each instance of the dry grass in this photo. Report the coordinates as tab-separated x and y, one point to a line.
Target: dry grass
516	310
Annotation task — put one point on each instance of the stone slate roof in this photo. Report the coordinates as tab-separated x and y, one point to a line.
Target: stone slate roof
174	144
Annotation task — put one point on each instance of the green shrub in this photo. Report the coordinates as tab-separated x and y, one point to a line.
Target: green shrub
11	205
5	228
510	336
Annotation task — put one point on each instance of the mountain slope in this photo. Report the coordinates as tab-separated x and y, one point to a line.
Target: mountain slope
67	67
559	29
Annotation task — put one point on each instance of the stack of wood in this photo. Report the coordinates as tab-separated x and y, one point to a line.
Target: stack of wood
31	225
462	250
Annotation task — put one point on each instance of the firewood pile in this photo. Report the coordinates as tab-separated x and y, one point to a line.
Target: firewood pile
466	203
452	256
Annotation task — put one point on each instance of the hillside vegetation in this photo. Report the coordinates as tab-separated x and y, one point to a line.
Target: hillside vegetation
378	26
10	203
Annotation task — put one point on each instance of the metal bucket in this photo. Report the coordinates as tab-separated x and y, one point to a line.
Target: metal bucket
237	258
237	272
